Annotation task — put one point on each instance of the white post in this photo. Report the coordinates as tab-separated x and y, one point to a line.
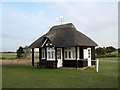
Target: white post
97	63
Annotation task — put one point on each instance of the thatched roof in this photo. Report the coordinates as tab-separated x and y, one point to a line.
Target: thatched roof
64	36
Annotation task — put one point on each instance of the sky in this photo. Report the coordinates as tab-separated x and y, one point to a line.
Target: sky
24	22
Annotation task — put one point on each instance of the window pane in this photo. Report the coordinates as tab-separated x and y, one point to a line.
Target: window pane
49	55
65	54
43	53
48	48
52	54
69	54
73	54
58	56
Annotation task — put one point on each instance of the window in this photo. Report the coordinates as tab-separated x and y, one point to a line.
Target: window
69	53
50	53
43	53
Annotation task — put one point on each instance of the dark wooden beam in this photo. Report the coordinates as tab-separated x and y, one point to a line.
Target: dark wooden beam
33	57
93	55
81	53
81	56
46	56
56	57
62	55
76	57
40	54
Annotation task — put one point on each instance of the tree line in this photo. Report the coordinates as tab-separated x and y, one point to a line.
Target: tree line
23	52
109	51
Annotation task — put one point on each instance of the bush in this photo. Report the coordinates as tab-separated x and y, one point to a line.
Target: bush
20	53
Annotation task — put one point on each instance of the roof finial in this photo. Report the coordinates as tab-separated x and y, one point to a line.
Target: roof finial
61	18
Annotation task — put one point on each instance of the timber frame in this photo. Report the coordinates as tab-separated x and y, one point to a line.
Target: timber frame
56	44
66	63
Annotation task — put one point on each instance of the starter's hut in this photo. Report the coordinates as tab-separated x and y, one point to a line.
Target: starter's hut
64	46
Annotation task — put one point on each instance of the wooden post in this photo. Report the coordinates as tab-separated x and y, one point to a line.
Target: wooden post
46	56
76	57
33	57
62	55
81	52
97	64
56	56
81	55
93	55
40	53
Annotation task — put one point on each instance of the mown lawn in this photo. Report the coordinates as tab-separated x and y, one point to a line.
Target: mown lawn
108	58
28	77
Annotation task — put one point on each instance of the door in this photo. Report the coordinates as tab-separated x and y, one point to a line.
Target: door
87	55
59	57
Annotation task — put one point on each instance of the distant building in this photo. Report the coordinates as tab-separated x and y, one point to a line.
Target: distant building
64	46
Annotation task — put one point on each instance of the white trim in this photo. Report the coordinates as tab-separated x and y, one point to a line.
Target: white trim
50	43
44	42
71	50
49	56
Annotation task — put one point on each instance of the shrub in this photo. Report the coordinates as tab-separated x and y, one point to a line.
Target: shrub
20	53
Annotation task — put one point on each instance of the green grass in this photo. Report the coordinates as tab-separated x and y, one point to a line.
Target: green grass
8	57
14	57
108	58
28	77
